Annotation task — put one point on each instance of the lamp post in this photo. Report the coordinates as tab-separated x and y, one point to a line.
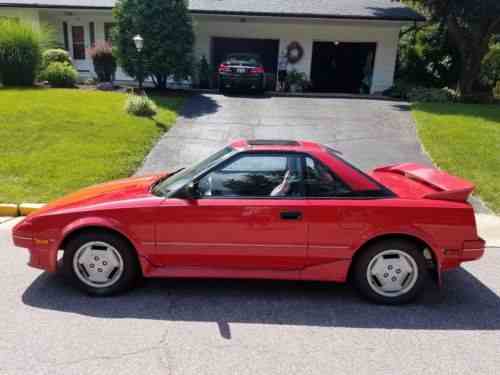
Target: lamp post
139	44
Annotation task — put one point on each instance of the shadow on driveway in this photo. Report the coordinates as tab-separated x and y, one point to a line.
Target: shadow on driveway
464	303
198	106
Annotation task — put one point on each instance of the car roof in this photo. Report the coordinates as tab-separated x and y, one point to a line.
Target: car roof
276	145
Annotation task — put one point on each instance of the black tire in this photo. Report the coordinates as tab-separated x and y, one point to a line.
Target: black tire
131	269
360	271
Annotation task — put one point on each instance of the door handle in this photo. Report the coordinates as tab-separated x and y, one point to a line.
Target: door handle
291	215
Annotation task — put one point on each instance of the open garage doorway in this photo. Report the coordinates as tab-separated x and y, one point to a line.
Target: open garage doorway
342	67
267	49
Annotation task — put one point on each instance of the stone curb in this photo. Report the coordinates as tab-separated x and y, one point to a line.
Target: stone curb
23	209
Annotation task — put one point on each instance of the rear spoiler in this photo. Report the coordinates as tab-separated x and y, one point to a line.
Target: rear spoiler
447	187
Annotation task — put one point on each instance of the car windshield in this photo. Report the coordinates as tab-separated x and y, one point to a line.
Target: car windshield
243	58
179	179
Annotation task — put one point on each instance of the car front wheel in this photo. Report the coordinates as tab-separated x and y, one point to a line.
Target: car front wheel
391	272
101	264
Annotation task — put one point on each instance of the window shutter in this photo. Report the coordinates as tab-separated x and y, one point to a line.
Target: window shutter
65	34
92	34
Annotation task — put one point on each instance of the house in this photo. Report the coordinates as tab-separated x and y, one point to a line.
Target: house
342	45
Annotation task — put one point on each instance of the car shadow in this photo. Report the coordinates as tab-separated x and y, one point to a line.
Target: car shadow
464	303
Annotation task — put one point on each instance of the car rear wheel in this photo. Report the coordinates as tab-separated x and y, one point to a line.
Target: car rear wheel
391	272
101	264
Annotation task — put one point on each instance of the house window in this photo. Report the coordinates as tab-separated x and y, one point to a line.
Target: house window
108	31
78	38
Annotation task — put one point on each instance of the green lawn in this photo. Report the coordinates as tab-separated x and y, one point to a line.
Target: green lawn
55	141
464	140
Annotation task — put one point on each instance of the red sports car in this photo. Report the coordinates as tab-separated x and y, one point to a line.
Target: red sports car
262	209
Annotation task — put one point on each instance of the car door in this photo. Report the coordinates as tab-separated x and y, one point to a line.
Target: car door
248	215
335	216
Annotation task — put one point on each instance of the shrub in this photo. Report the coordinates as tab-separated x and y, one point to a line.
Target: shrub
425	95
400	90
20	52
104	61
140	106
490	69
55	55
60	74
496	91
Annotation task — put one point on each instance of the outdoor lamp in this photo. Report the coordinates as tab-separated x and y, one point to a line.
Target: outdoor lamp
139	42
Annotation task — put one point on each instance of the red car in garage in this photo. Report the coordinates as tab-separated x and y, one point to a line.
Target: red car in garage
262	209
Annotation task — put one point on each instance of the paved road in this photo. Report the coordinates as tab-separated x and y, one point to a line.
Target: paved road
243	327
368	132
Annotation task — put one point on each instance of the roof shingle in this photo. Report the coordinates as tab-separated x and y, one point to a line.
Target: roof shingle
356	9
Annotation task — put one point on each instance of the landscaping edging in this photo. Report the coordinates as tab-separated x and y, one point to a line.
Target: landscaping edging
22	209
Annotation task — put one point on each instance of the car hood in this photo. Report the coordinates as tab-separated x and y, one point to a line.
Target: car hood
108	192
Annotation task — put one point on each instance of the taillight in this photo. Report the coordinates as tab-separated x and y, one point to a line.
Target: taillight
257	70
224	68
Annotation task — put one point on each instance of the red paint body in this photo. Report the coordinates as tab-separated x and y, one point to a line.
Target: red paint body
245	238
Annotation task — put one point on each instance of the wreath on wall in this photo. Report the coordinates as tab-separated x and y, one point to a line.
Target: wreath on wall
294	52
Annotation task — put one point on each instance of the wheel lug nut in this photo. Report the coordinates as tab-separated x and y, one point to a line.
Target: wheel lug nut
104	263
389	267
99	270
394	279
96	259
386	275
91	265
398	271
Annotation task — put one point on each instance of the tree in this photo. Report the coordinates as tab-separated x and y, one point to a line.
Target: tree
470	25
167	30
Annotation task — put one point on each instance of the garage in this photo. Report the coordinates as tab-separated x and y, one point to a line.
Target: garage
342	67
267	49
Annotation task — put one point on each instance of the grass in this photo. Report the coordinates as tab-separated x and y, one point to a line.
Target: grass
54	141
464	139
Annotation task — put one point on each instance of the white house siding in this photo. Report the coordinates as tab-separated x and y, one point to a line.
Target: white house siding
384	33
306	31
23	14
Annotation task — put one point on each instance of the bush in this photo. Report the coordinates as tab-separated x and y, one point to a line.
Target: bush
426	95
55	55
60	74
490	70
496	91
400	90
20	52
140	106
104	61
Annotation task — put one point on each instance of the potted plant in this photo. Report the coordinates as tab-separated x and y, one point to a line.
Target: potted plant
296	81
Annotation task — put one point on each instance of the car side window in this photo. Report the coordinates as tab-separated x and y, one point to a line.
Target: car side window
321	182
255	175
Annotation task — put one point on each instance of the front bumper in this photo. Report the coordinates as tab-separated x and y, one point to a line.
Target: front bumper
43	255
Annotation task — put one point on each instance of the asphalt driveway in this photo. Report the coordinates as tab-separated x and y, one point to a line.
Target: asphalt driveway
368	132
216	327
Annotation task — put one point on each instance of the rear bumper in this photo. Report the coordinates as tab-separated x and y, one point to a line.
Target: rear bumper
233	80
471	250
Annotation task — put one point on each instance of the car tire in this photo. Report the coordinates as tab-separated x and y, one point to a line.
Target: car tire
101	263
391	272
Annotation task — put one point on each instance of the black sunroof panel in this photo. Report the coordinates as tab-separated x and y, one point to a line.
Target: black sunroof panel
272	142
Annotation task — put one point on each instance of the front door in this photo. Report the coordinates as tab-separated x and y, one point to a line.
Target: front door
249	216
78	44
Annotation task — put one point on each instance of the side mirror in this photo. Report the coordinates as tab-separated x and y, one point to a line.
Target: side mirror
190	191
